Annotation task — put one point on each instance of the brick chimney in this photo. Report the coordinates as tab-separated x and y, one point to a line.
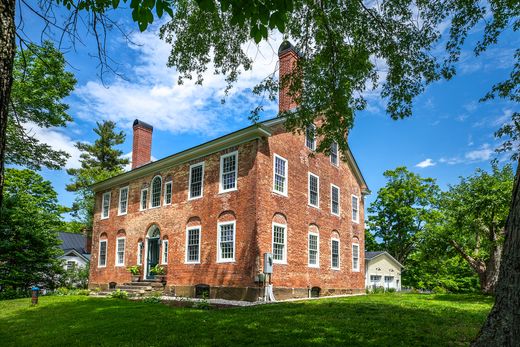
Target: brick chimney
287	57
142	146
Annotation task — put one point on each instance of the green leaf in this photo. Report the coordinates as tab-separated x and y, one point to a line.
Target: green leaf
159	8
115	4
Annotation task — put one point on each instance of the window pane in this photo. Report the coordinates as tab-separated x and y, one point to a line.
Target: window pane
120	251
106	204
123	200
139	253
279	174
227	241
193	245
168	193
335	200
156	192
229	172
278	243
165	252
310	140
334	153
196	181
313	190
335	253
102	253
144	199
355	208
355	257
313	249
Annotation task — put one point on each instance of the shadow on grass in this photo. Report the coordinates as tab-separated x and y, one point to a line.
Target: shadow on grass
361	321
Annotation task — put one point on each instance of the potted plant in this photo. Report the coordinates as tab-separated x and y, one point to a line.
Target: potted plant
159	271
135	270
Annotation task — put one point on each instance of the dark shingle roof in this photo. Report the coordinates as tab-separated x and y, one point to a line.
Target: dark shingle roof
72	241
370	255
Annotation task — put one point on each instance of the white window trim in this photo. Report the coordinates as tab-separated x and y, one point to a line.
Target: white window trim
309	190
222	157
186	261
118	264
284	260
354	269
141	200
106	253
151	192
337	156
109	194
140	249
317	265
168	183
202	182
314	140
357	214
119	212
165	251
339	253
219	256
286	173
339	200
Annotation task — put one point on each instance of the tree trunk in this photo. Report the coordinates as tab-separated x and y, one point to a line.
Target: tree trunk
488	286
502	327
7	52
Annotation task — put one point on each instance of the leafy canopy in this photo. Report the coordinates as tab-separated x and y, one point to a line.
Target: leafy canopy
40	83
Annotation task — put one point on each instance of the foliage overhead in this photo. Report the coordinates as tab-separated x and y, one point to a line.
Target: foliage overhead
401	211
99	161
29	221
40	83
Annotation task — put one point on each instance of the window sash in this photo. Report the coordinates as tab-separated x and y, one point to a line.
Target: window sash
123	200
310	137
334	153
228	172
314	188
105	213
140	253
280	169
155	200
168	193
355	208
279	243
334	253
193	245
196	181
334	199
355	257
165	252
144	198
314	253
120	251
226	242
102	261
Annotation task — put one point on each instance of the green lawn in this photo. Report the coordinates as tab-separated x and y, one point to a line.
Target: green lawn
373	320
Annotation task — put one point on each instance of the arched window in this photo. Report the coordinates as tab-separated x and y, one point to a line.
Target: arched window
156	192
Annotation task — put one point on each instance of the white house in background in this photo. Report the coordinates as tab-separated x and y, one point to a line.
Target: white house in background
75	249
382	270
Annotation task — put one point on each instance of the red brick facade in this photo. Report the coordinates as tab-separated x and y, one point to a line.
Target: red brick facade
142	144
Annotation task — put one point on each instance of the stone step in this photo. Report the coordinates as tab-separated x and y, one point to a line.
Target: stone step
147	283
129	288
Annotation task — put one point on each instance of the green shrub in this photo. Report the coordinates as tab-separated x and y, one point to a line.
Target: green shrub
10	293
62	291
119	294
155	298
439	290
390	290
203	304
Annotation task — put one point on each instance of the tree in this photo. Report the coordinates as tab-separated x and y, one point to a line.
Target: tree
40	82
401	210
99	161
29	219
474	214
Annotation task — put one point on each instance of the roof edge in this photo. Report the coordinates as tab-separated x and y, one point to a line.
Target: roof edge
388	254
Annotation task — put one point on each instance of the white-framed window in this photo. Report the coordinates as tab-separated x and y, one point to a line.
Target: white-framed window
193	245
389	282
334	253
102	260
355	257
226	242
140	248
355	209
279	243
196	181
375	280
120	251
105	210
310	137
334	158
165	251
314	190
123	201
144	199
155	196
280	170
334	199
228	172
168	193
314	250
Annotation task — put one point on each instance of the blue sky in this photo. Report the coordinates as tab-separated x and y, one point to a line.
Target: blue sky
449	135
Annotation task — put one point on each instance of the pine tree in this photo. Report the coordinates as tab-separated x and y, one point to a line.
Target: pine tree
99	161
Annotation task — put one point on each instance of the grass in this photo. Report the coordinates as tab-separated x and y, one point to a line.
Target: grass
373	320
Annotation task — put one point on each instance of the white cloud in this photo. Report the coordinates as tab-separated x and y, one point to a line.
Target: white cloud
153	95
482	154
128	156
426	163
55	138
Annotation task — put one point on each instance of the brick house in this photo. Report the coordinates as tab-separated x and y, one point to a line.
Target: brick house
209	213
